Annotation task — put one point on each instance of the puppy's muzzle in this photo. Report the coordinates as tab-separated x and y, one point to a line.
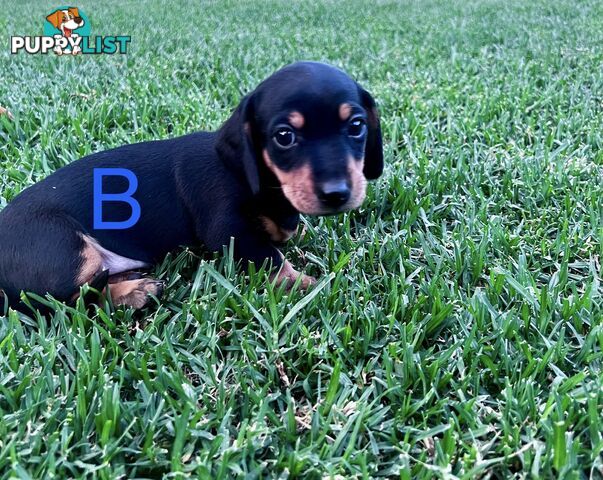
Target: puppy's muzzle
334	193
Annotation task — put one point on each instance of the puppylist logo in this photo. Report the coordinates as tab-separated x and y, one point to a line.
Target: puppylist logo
67	32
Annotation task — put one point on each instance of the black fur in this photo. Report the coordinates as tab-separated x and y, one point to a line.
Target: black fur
200	188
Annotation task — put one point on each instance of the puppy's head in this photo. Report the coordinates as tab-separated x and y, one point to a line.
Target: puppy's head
69	19
313	131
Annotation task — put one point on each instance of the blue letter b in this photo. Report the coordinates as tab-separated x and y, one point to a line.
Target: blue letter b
126	197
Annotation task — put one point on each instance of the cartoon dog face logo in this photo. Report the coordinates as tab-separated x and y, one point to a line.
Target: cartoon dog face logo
66	20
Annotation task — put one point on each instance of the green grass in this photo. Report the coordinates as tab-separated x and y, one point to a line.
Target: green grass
457	329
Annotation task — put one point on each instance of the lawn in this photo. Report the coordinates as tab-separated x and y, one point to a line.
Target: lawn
457	327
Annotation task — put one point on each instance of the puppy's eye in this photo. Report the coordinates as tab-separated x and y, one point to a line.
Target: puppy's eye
284	137
356	127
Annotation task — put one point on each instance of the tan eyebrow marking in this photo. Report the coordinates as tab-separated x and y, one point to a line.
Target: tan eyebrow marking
296	119
345	110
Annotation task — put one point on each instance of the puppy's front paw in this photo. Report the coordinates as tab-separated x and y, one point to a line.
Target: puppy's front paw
287	275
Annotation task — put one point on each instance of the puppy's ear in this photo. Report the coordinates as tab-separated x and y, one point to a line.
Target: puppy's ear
373	154
74	11
235	143
55	18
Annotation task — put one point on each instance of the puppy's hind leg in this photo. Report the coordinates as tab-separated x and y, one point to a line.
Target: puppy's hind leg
125	286
135	293
41	254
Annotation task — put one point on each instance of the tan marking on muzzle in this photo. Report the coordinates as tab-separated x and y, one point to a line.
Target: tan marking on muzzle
345	110
358	182
297	185
296	119
275	232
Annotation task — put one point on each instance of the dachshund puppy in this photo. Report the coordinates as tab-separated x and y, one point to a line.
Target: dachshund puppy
304	141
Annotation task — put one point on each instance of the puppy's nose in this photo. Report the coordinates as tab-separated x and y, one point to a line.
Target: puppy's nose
334	193
77	19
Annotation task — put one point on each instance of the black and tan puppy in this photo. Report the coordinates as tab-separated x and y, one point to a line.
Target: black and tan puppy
304	141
